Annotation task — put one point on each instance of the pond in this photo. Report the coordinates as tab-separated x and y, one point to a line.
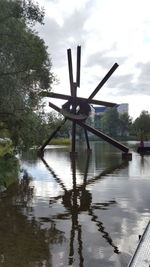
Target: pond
87	211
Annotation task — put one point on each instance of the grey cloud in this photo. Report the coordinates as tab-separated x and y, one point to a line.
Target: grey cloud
143	83
122	85
53	37
145	71
57	37
127	86
122	81
102	59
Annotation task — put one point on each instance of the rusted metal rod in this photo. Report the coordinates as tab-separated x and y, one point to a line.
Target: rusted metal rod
89	101
70	68
78	65
104	80
104	137
52	136
54	107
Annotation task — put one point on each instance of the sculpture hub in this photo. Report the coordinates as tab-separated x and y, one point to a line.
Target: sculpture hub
76	109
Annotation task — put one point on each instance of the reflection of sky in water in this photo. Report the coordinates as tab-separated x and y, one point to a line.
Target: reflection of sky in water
119	208
43	180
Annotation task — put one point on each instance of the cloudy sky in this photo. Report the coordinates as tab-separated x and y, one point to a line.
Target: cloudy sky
108	31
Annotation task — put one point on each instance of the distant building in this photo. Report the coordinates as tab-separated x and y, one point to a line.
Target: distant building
123	108
97	112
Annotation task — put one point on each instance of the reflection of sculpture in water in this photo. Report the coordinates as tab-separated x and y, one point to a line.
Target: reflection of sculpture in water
144	165
79	199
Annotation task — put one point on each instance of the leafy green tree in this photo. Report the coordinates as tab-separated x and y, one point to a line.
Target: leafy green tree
54	120
125	123
25	66
110	122
32	131
65	130
142	125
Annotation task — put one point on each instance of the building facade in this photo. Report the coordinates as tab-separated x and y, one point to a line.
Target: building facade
97	112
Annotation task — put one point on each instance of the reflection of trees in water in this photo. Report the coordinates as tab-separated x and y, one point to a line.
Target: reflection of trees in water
53	235
79	199
29	156
23	192
9	167
22	240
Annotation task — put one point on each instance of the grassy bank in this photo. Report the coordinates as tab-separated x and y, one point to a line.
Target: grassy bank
59	141
119	138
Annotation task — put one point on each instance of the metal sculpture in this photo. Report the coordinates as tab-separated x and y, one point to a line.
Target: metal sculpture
78	200
77	109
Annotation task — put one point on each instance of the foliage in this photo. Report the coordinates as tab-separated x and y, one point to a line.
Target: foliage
125	123
60	141
25	67
29	131
5	147
9	168
110	122
114	124
54	120
142	125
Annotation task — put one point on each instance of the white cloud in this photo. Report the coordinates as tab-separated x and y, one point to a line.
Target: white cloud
109	32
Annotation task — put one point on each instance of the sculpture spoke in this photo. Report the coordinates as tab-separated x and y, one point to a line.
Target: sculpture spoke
78	65
104	137
53	134
54	107
104	80
68	97
70	70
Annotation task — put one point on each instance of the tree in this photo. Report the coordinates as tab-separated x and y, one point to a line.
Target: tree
54	120
25	66
142	125
125	123
28	131
110	122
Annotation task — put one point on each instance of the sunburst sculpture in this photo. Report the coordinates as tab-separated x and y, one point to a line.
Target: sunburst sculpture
77	109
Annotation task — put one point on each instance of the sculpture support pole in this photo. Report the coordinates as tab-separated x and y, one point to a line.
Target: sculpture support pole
74	91
51	137
74	95
73	88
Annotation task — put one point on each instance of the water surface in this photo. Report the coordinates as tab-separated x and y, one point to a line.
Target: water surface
86	211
